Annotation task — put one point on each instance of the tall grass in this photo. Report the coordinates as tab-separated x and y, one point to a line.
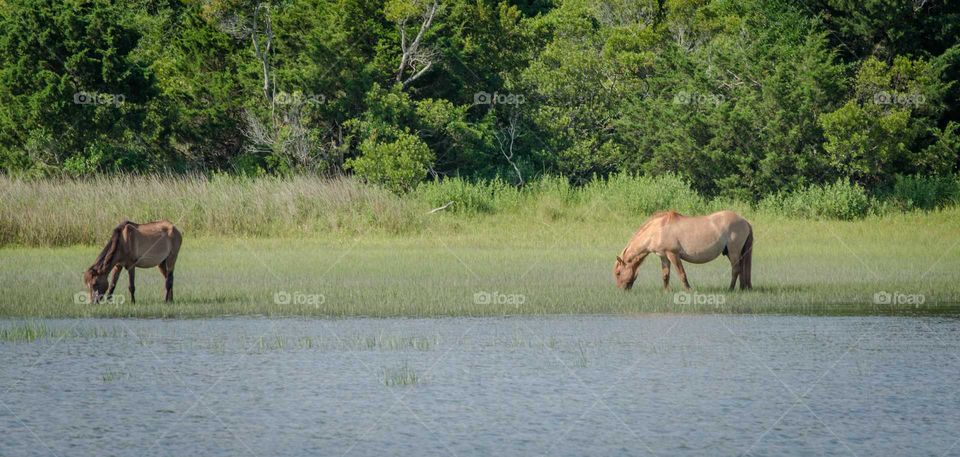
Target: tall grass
56	212
69	211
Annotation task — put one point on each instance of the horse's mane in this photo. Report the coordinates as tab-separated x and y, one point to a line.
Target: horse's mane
669	214
110	250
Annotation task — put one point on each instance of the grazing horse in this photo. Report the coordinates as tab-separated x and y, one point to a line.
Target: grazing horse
132	246
700	239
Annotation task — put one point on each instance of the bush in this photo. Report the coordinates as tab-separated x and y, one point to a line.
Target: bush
840	200
398	165
922	192
644	195
469	197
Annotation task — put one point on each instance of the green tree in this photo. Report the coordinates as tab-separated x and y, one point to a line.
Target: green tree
75	97
889	127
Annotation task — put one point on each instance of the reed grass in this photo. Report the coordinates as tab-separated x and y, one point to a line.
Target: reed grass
64	211
60	212
33	330
400	375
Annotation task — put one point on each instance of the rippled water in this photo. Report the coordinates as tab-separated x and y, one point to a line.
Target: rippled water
571	385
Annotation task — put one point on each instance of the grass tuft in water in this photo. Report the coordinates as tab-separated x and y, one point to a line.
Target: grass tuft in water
29	331
400	375
114	376
581	361
24	332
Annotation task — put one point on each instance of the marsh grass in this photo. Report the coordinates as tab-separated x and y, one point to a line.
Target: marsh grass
520	340
392	342
62	212
28	331
581	360
559	267
114	376
59	212
357	342
400	375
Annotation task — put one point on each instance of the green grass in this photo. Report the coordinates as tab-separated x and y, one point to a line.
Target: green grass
400	375
65	212
114	376
505	265
62	212
29	331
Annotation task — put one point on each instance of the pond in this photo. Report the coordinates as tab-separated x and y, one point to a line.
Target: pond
565	385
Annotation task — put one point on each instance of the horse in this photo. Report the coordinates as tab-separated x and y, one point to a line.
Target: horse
699	239
132	246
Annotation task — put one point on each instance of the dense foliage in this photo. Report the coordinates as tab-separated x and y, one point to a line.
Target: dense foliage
741	98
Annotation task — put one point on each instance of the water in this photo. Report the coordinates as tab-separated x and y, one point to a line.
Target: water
569	385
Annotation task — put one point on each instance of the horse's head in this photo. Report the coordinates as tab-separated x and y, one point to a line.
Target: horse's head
96	284
625	274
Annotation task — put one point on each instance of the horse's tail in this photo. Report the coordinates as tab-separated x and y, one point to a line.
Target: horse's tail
746	257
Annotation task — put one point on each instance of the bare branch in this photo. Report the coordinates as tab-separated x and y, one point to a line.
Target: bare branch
417	74
441	208
506	138
263	51
410	53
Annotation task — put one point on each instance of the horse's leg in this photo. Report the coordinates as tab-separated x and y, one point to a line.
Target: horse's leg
113	282
675	259
665	268
171	261
130	276
733	276
168	284
735	269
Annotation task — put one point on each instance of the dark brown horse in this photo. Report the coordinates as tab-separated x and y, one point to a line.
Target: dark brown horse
132	246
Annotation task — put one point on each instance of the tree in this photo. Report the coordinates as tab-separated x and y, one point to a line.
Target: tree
889	127
75	97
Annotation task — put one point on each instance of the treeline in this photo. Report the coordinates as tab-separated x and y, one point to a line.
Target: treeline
741	98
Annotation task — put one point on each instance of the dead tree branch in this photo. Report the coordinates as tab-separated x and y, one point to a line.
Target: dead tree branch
506	137
413	58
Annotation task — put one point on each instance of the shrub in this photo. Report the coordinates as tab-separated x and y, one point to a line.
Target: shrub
397	165
840	200
469	197
922	192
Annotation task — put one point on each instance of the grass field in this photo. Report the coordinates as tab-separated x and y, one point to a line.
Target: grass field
511	264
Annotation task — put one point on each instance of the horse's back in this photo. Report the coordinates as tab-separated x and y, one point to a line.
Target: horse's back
726	217
701	239
153	242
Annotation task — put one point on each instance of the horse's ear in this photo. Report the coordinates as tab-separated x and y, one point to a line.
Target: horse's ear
620	261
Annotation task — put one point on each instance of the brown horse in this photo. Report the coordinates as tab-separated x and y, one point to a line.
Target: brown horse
674	237
132	246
